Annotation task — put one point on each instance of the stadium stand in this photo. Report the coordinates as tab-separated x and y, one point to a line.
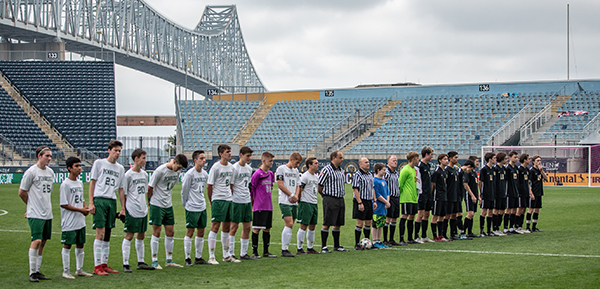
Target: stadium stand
571	126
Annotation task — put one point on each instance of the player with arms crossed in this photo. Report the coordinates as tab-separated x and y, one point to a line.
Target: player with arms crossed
438	186
452	192
487	186
308	212
424	188
524	191
261	186
242	205
512	180
287	181
537	176
471	195
501	194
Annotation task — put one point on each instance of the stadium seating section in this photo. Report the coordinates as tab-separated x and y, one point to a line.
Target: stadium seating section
571	126
77	97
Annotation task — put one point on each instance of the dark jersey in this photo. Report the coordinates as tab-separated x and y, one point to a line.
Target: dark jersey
487	176
439	178
500	181
512	179
452	184
471	179
523	182
537	182
462	179
425	177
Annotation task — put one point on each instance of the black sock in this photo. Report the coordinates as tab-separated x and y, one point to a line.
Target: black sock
495	222
402	229
357	233
489	224
469	226
266	241
459	224
512	220
367	231
433	229
409	226
385	231
528	220
440	226
336	237
324	235
107	234
424	224
445	232
535	220
519	223
452	227
481	223
255	243
506	221
392	231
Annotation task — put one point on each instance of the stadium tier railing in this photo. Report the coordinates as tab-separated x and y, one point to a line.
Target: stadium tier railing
536	122
513	125
592	126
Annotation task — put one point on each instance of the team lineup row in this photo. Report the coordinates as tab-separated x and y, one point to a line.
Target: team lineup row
237	195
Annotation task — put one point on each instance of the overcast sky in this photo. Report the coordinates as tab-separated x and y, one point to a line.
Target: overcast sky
338	44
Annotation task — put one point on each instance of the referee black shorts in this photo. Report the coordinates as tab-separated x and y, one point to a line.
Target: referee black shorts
409	208
334	211
513	202
439	208
366	213
394	209
487	204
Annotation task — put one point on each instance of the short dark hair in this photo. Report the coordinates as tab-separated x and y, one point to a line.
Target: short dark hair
245	150
378	167
451	154
500	157
267	155
182	160
71	161
489	156
523	157
137	153
512	153
535	158
310	161
222	148
114	143
425	151
333	155
469	163
442	156
196	153
473	158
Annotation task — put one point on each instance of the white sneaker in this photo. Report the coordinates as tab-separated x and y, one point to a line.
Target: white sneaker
231	260
156	265
527	231
170	263
519	231
212	261
419	241
427	240
83	273
500	233
67	275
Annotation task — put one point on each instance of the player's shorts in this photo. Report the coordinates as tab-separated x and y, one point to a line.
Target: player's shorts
334	211
409	208
500	204
451	208
242	213
161	216
458	207
425	205
221	211
439	208
394	210
524	201
379	221
425	197
288	211
471	206
512	202
537	203
262	220
135	225
487	204
73	237
106	212
195	219
40	229
308	213
366	214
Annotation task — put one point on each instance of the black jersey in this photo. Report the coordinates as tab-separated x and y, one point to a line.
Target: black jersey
425	178
500	181
487	176
471	179
537	182
523	181
512	179
452	183
439	178
462	180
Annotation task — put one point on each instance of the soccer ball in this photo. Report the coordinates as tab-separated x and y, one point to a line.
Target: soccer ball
366	243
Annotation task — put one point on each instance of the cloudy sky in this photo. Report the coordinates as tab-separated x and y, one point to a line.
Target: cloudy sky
338	44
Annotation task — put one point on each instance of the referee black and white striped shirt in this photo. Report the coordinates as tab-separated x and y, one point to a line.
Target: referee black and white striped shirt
363	181
391	179
332	180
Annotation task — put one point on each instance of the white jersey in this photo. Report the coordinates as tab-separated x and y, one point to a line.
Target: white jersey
192	190
309	183
290	180
109	178
136	186
71	193
241	183
38	184
220	178
163	180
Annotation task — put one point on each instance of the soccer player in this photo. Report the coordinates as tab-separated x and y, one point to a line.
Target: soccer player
35	191
487	187
537	176
261	185
439	188
107	177
362	201
382	204
308	212
219	196
393	212
512	180
471	196
160	194
500	202
463	184
241	202
331	189
287	180
524	191
72	214
452	191
425	193
192	199
136	210
408	197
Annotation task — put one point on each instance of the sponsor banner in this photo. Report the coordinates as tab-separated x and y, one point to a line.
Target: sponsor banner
573	179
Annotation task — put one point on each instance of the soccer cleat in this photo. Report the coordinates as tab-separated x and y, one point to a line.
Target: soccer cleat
394	243
188	262
455	238
269	255
412	242
444	239
437	239
170	263
325	250
465	237
402	243
108	269
383	246
98	270
312	251
67	275
126	269
247	257
144	266
286	253
518	231
33	278
537	230
527	231
340	249
156	265
199	261
376	245
419	241
358	248
82	273
231	259
212	261
41	276
255	255
386	243
301	252
427	240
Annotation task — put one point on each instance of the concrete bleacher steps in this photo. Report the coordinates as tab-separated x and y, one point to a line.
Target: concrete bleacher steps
252	124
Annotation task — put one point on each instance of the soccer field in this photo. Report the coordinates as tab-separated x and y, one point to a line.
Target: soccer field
565	255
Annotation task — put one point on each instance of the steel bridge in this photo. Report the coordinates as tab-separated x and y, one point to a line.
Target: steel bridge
211	58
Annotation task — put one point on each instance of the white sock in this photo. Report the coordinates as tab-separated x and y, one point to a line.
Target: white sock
225	243
212	244
310	239
139	249
286	237
39	263
66	258
244	247
33	254
169	248
232	245
187	247
97	252
79	254
105	252
126	248
154	248
199	243
300	238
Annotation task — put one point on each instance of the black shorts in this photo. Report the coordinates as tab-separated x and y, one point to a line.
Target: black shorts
487	204
394	209
424	197
334	211
500	204
524	202
450	208
471	206
262	219
366	214
439	208
409	208
536	204
426	205
513	202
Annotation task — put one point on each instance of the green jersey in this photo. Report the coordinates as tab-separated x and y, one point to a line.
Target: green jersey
407	182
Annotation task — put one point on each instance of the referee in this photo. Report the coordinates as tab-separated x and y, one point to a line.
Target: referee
362	202
331	188
393	212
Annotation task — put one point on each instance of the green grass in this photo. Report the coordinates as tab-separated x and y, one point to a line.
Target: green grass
570	219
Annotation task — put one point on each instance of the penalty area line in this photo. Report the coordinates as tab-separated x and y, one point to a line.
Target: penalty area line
498	253
3	212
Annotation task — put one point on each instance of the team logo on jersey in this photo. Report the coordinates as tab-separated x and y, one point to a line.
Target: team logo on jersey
351	167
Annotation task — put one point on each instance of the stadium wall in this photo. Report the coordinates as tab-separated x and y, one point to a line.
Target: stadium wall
271	97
